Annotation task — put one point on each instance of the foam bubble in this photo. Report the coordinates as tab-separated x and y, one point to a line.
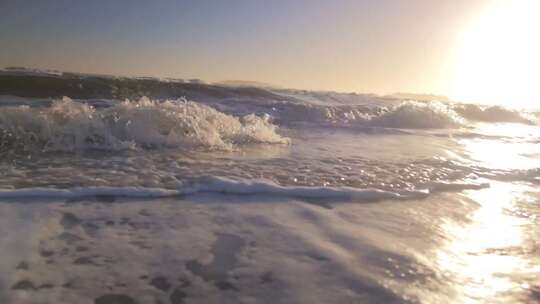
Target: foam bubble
213	184
417	115
263	186
407	115
69	126
86	191
493	114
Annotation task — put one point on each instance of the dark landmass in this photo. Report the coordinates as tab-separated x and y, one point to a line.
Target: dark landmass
82	86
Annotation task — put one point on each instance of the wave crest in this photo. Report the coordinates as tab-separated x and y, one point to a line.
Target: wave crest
493	114
417	115
407	115
69	126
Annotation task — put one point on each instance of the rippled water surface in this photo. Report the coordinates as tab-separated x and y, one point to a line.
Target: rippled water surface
376	208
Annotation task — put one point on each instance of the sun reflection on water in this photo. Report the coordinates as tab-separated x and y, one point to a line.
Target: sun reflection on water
486	257
481	252
515	153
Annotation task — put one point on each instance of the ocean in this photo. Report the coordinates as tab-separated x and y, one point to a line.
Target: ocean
124	190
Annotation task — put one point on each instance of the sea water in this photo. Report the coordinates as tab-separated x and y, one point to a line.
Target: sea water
307	199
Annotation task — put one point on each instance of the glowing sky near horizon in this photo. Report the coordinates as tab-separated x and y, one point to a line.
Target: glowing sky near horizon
498	58
372	46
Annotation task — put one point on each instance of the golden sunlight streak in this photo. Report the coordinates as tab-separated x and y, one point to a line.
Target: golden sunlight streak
503	155
499	58
484	253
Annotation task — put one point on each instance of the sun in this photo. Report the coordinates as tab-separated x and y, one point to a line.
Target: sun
498	61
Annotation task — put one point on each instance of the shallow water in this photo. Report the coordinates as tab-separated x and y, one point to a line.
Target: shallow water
225	208
476	246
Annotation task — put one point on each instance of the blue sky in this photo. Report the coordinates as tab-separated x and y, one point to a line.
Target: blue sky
368	46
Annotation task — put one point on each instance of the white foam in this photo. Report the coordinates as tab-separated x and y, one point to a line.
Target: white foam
417	115
69	125
406	115
87	191
495	114
263	186
455	186
214	184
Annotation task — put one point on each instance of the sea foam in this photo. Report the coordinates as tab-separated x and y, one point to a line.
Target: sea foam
239	186
67	126
214	184
419	115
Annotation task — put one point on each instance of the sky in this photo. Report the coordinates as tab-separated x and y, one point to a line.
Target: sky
370	46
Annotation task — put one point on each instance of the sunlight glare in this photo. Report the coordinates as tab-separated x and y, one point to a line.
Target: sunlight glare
503	155
484	252
498	61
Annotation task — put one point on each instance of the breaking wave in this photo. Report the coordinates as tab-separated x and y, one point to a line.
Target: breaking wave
493	114
416	115
285	106
407	115
67	126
